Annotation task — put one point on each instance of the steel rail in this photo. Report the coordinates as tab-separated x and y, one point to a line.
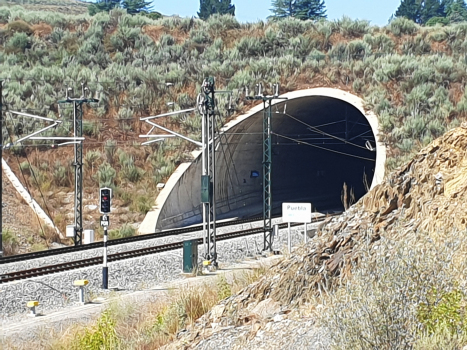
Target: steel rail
72	249
72	265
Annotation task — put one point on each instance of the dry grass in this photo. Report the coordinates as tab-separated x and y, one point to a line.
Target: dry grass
401	296
147	325
42	29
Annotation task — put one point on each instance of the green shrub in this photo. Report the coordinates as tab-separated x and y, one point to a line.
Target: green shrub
18	42
224	289
110	148
10	242
433	21
352	28
442	310
125	231
142	204
106	175
401	25
103	336
402	291
4	15
61	175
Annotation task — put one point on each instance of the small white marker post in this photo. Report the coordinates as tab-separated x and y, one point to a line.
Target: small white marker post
306	232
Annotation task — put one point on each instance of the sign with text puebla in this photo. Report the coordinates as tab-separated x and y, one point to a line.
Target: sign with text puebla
296	212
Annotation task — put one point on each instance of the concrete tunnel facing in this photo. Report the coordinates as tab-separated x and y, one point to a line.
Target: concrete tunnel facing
321	139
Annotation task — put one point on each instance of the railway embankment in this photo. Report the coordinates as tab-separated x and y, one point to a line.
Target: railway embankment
56	291
384	271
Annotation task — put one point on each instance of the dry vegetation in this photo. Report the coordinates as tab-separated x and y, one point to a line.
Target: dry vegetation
412	77
388	274
147	325
74	7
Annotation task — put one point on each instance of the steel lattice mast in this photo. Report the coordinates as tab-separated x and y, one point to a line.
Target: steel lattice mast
206	105
267	159
78	160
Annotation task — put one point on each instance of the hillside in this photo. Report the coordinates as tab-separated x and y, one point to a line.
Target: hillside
71	7
389	272
412	77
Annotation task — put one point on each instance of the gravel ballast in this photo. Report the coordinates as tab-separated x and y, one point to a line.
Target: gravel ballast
56	291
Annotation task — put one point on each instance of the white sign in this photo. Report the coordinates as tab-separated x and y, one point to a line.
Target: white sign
105	221
296	212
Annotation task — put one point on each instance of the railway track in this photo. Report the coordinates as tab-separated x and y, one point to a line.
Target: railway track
72	249
72	265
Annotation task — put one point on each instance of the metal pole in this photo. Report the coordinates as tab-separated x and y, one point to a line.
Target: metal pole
306	232
78	162
1	169
207	105
205	173
212	154
267	159
77	132
289	243
105	269
267	170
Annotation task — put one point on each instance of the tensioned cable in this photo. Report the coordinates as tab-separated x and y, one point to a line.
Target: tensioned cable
38	186
323	148
228	149
25	181
325	133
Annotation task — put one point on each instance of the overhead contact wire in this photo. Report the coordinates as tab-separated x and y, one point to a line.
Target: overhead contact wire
323	148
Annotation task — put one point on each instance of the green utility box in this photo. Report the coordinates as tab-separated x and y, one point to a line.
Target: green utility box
206	189
190	255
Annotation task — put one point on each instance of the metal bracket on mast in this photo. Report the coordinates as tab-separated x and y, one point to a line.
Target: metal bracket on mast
78	161
206	105
267	158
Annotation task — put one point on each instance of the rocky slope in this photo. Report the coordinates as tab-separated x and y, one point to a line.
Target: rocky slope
426	195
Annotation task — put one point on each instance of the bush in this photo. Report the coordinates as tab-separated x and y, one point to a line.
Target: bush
102	336
10	242
142	204
352	28
4	15
125	231
402	292
61	175
19	27
437	20
106	175
19	42
401	25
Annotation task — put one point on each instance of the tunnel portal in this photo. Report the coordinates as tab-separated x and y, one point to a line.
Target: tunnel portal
321	140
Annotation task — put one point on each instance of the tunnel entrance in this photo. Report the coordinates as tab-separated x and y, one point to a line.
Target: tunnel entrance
321	139
322	147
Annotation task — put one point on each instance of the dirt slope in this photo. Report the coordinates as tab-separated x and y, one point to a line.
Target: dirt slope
426	195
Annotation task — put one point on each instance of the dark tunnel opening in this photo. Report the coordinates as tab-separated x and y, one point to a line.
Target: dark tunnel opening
320	144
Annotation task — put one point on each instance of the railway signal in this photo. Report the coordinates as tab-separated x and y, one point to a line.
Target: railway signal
105	205
105	200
